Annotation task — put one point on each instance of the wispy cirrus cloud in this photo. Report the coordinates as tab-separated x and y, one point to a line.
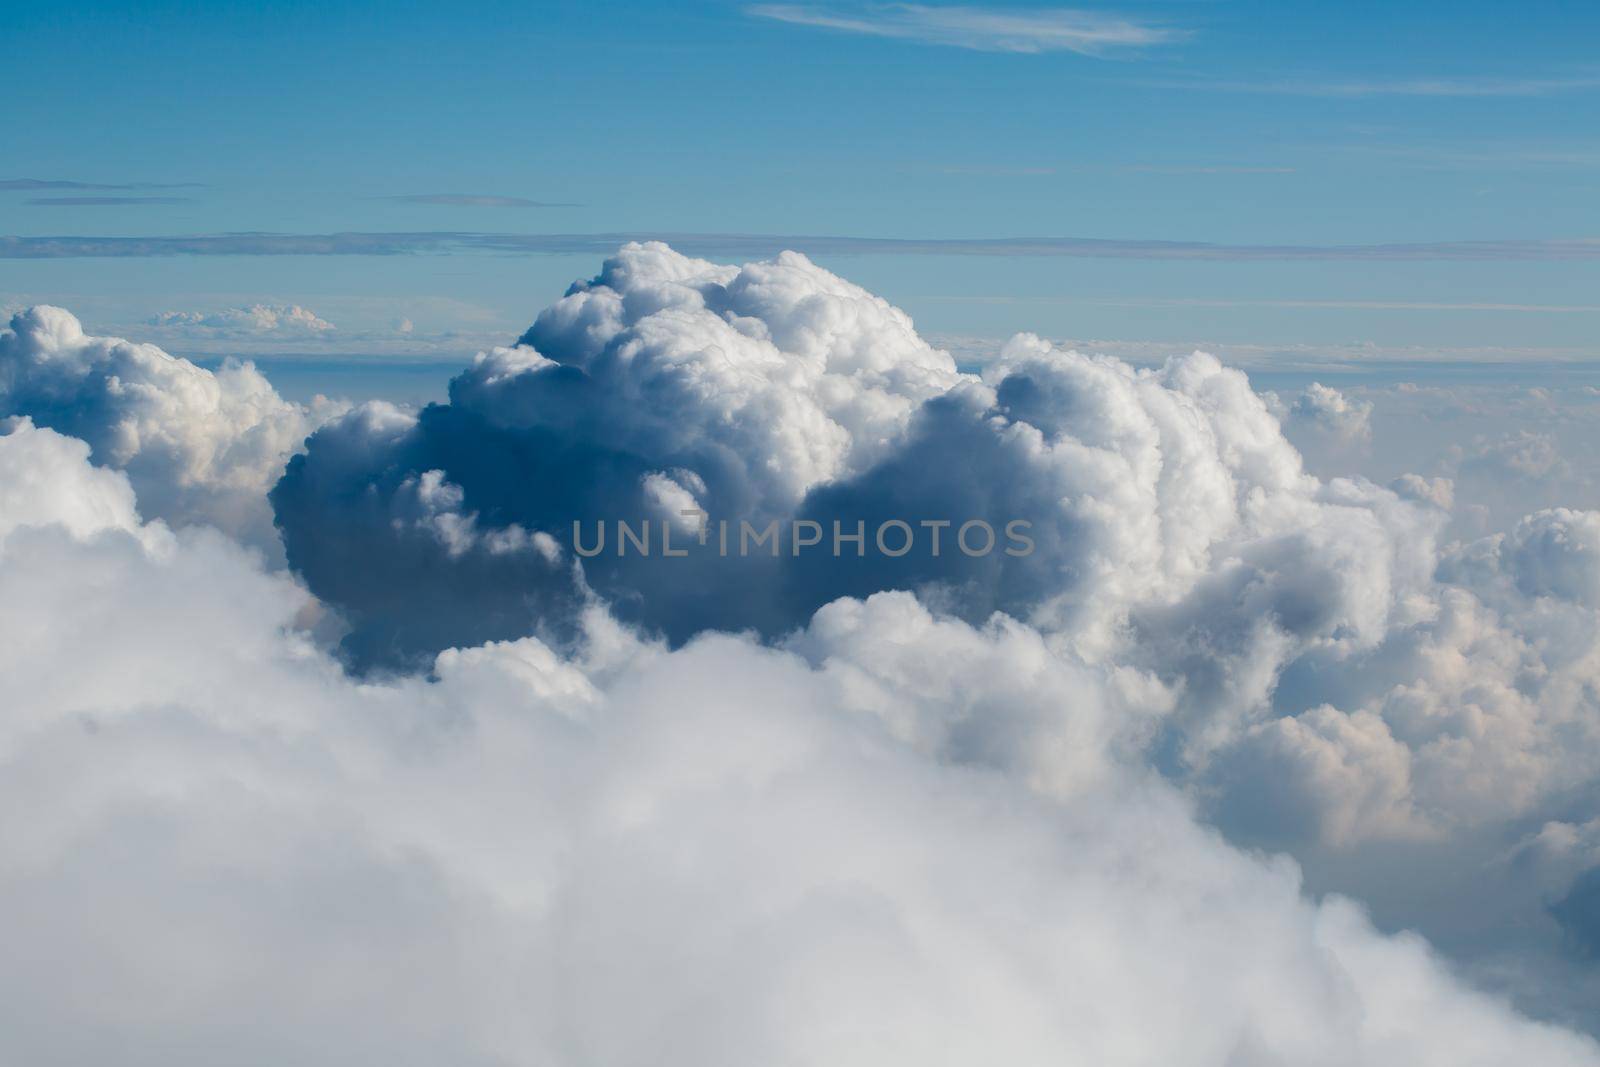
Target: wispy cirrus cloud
985	170
743	244
476	200
1417	86
42	184
1307	304
1089	33
1492	155
107	201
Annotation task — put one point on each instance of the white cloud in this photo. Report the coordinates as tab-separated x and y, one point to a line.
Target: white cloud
1310	659
785	392
725	854
45	479
255	319
198	446
1089	33
1327	415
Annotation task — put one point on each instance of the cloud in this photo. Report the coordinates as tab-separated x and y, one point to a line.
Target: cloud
1036	30
1556	553
724	854
1479	155
46	479
1269	637
1167	501
1339	305
738	390
739	245
107	201
1482	86
1201	168
252	320
28	184
200	447
1328	414
477	200
1202	626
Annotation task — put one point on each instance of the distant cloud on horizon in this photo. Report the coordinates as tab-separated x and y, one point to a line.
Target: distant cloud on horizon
738	244
1089	33
1338	305
40	184
254	319
107	201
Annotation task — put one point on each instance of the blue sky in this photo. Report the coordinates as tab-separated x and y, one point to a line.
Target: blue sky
1239	124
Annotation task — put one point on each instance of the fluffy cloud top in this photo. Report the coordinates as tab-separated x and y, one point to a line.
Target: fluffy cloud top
198	446
777	391
723	854
1325	411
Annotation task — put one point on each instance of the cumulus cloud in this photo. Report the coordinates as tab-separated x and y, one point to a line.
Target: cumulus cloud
255	319
777	392
1521	467
663	385
1556	553
1323	410
45	479
722	854
1309	662
198	446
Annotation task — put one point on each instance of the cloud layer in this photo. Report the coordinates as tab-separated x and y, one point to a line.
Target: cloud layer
724	854
1310	657
740	245
919	805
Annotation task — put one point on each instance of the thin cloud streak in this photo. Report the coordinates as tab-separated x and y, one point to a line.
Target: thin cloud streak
41	184
1087	33
1336	305
476	200
1423	87
1488	157
763	245
999	171
1201	168
106	201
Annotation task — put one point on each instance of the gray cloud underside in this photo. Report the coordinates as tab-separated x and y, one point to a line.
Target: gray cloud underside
739	244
